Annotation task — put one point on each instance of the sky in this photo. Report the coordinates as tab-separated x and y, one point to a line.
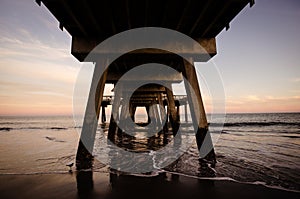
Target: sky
258	60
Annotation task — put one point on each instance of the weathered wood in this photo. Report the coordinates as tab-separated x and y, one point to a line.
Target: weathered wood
161	107
148	113
124	114
84	158
132	109
185	113
156	114
172	111
157	111
114	114
103	117
95	19
89	26
173	77
178	113
82	46
147	89
197	111
143	98
152	114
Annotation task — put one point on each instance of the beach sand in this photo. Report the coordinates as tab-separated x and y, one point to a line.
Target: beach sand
35	152
87	184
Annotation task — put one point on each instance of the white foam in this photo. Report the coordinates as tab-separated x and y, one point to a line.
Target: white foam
233	180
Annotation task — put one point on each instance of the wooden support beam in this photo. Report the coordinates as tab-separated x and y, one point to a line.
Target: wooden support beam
122	120
252	2
103	117
148	113
74	18
133	110
125	114
148	89
128	14
200	17
172	77
183	15
82	46
39	2
197	111
156	115
146	13
91	17
152	114
114	113
185	113
161	107
142	103
178	113
84	158
141	98
172	111
217	17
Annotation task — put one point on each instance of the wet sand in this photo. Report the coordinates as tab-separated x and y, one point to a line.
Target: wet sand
33	165
87	184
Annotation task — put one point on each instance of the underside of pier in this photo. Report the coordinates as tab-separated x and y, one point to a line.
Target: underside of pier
91	22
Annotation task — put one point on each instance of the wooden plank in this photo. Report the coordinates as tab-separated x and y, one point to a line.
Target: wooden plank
74	17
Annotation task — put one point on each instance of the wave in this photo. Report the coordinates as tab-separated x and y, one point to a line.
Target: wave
239	181
54	139
63	172
290	136
35	128
229	124
241	124
5	129
35	173
57	128
232	180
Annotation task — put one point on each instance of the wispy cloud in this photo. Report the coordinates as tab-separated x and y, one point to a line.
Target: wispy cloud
253	98
37	77
31	48
254	103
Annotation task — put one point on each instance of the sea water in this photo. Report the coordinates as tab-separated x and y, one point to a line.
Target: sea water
261	148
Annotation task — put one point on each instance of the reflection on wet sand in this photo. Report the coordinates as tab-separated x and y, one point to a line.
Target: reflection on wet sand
85	184
168	185
161	185
156	184
141	142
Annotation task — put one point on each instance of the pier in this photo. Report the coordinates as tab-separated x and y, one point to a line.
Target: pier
92	22
146	100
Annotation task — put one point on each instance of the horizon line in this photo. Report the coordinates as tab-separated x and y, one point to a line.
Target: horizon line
41	115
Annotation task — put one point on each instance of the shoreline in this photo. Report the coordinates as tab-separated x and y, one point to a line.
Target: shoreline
88	184
35	153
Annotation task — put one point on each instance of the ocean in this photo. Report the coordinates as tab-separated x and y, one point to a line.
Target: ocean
262	148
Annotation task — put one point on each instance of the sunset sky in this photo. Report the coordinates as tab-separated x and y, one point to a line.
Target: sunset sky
258	59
